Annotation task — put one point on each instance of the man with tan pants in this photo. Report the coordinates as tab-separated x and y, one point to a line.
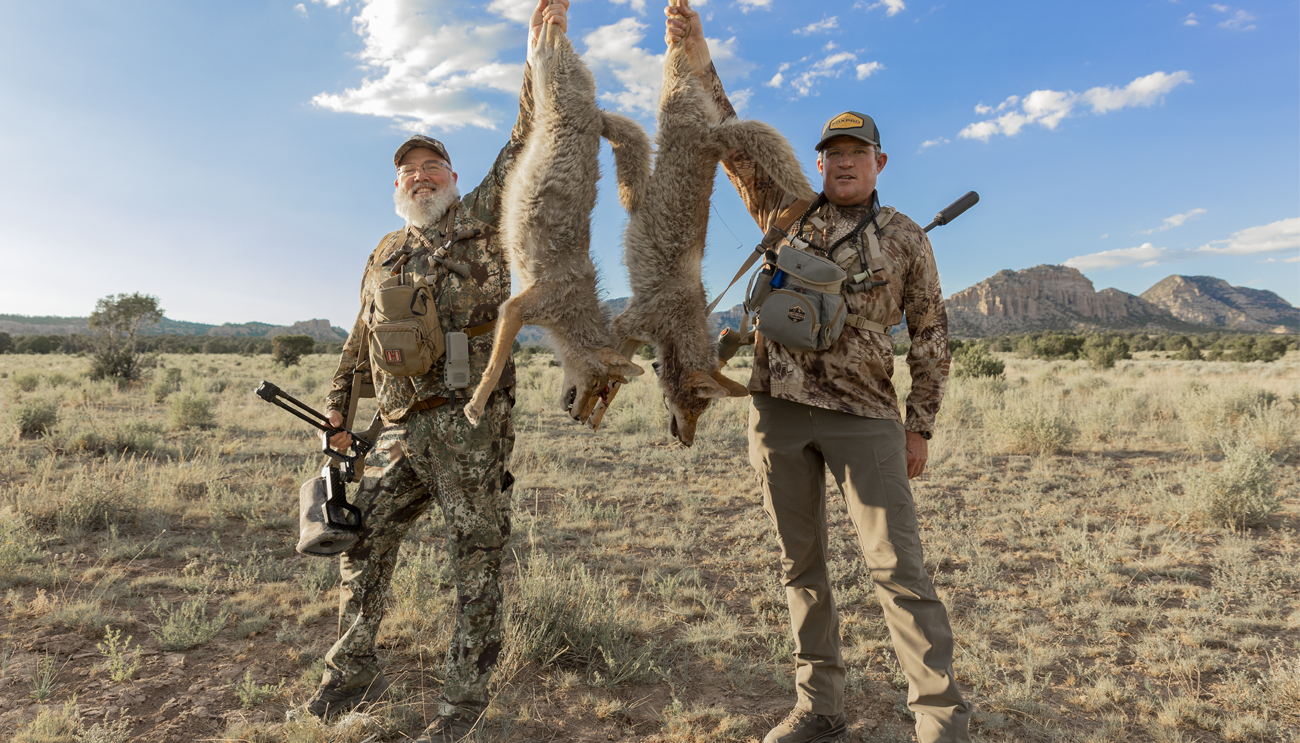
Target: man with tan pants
837	408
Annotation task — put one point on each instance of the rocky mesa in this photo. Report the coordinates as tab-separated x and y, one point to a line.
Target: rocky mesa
1205	300
1049	298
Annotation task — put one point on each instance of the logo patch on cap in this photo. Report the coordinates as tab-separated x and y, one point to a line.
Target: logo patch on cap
845	121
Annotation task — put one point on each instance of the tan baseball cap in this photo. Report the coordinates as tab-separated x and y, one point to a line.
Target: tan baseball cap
419	140
850	124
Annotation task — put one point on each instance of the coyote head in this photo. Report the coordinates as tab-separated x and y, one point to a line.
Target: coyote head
585	382
688	392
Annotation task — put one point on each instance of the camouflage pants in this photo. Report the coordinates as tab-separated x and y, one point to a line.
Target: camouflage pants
433	456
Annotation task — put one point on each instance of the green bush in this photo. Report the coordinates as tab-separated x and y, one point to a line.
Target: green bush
186	625
1104	350
1241	493
191	410
974	360
34	417
26	381
288	350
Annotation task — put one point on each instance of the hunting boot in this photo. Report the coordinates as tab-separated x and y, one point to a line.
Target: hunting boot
801	726
327	702
447	729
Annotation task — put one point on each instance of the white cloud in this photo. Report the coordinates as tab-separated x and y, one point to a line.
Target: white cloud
1143	91
1174	221
519	11
301	9
637	5
616	50
1279	236
748	5
1240	20
426	63
892	7
329	3
1190	20
1145	254
829	46
866	70
740	98
779	77
1048	107
927	144
1270	238
824	24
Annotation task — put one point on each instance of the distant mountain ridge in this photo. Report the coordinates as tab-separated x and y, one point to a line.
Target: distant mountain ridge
1030	300
1061	298
321	330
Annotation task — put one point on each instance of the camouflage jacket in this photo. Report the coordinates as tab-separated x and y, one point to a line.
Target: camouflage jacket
461	303
853	375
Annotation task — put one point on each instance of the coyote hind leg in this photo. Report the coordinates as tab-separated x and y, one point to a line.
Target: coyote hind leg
511	320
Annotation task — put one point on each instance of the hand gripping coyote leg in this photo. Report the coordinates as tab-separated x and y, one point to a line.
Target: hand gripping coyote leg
546	228
664	241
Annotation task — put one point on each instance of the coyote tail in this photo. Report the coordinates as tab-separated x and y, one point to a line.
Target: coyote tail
631	158
770	150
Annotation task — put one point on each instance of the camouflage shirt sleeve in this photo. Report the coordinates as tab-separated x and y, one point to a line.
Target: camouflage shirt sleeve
761	195
337	399
927	324
484	201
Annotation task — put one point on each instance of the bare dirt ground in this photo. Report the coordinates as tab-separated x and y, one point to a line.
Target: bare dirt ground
1073	519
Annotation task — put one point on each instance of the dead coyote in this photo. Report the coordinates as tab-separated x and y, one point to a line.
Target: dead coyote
664	241
546	230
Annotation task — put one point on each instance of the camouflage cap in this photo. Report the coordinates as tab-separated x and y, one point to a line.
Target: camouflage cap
850	124
419	140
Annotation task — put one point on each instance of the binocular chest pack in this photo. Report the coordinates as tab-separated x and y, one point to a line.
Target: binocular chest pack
798	298
405	335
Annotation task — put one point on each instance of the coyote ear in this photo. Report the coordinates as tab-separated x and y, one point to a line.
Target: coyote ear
617	365
702	385
733	388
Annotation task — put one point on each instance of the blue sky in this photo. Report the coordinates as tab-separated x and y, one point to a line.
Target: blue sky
234	158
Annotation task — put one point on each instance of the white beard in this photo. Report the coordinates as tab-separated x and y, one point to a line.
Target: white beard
426	210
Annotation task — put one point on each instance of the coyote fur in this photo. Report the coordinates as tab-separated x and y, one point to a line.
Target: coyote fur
664	241
546	227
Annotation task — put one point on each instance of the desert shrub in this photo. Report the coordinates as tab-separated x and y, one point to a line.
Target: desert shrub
1104	350
562	613
34	417
166	384
186	625
19	545
1210	413
1030	425
1050	346
1241	493
191	410
974	360
646	352
52	725
1272	429
26	380
288	350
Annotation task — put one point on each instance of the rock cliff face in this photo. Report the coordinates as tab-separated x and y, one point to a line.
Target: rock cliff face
1046	298
1205	300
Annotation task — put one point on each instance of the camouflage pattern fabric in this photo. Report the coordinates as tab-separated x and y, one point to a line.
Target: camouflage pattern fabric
435	456
461	303
853	375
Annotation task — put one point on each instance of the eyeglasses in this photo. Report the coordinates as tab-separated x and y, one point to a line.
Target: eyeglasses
853	153
428	167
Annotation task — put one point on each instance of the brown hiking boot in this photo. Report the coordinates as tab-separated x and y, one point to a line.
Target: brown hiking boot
447	729
801	726
326	702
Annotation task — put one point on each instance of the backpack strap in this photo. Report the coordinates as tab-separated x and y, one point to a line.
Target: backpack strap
779	222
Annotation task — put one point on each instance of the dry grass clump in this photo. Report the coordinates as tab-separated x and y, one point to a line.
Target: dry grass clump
1240	493
1030	425
33	417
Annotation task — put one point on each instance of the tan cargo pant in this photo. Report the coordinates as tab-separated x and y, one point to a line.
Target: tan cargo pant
790	445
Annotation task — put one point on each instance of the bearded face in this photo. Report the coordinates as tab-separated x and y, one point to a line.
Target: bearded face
423	202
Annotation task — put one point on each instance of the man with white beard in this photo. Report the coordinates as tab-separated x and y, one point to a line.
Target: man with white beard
427	452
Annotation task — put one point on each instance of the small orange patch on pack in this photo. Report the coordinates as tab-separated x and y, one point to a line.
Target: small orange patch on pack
845	121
